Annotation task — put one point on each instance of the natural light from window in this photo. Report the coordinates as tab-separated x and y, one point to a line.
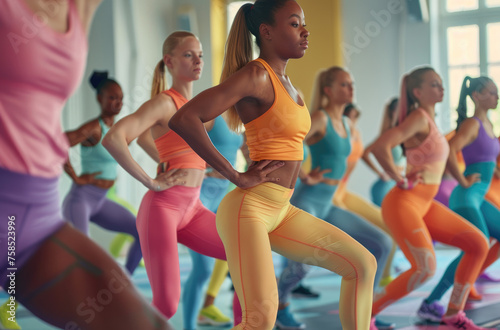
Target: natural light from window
492	35
463	60
461	5
492	3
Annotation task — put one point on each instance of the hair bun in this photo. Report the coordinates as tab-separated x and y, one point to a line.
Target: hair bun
97	78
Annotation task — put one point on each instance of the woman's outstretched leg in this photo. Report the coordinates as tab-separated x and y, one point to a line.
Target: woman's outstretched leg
101	294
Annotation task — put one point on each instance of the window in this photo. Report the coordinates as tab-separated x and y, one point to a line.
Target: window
461	5
471	30
492	3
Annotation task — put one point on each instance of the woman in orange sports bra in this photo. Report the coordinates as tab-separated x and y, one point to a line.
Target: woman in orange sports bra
171	211
257	216
409	210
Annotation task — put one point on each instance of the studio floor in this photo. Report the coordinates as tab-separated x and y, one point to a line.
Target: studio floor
322	313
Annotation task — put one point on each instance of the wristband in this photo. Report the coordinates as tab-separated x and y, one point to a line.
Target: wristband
405	184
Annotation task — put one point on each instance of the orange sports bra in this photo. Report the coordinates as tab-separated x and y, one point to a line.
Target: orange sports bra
279	132
430	156
356	151
172	148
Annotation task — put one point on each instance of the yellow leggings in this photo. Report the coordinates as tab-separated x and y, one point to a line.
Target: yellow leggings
368	211
218	276
254	221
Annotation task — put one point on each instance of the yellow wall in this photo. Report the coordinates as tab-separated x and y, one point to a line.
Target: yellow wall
218	34
324	22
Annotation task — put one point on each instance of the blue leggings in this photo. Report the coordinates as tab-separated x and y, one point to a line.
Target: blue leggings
470	204
379	189
85	203
212	192
317	200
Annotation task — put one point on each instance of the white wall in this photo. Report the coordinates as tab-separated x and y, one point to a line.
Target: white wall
380	44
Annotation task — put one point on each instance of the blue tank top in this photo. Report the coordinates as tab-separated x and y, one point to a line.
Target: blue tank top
332	150
398	156
306	151
225	140
483	149
98	159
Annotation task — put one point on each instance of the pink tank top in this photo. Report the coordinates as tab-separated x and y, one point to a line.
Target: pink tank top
39	69
430	156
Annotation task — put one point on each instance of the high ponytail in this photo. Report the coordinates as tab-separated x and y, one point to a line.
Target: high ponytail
403	100
462	101
475	85
239	52
159	80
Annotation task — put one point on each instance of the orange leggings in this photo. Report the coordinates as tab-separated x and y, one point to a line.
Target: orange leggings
414	219
253	221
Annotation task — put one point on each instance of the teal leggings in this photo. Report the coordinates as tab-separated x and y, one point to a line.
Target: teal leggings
470	204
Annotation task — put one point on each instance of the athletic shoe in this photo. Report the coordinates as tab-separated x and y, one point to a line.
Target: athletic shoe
458	321
386	280
431	311
304	292
5	323
286	321
488	278
381	325
211	315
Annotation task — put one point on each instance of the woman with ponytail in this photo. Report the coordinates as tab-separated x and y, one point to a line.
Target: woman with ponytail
256	217
330	142
384	183
58	271
86	201
409	210
480	149
171	211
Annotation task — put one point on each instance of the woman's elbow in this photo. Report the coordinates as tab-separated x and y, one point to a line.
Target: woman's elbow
109	140
175	122
179	122
378	150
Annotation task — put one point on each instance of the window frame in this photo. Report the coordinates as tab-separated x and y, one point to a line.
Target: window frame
480	17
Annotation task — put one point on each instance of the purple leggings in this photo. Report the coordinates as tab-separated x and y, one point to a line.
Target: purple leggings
34	204
85	203
445	189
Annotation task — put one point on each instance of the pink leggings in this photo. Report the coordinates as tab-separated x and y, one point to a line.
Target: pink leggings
166	218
